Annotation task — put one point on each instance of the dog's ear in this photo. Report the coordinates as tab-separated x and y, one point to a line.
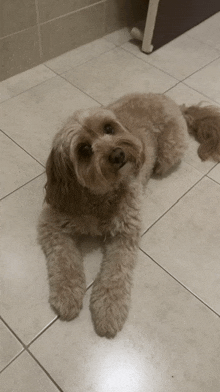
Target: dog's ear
60	173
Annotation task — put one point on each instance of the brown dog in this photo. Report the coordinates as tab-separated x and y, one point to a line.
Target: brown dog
96	172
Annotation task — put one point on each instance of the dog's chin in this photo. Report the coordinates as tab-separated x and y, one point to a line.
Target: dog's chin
103	182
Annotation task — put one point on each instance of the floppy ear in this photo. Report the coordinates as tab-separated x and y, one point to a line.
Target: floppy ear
60	173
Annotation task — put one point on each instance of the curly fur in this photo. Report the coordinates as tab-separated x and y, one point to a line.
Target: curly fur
204	124
97	169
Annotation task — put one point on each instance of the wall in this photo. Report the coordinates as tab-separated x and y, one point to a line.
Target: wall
33	31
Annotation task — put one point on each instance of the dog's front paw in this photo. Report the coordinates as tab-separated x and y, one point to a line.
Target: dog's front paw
109	308
67	300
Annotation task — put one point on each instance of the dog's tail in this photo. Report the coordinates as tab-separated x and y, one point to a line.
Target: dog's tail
204	124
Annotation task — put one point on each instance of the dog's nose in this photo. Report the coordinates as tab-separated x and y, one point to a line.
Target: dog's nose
117	157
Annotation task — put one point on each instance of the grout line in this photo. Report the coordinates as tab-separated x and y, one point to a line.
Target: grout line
105	18
13	333
22	148
38	28
66	80
50	20
199	92
116	47
42	331
73	12
17	189
173	205
17	32
30	88
177	201
151	65
212	179
167	73
12	360
170	88
44	370
26	349
57	74
79	64
178	281
204	66
212	168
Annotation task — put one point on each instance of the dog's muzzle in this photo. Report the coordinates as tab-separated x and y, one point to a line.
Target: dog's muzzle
117	158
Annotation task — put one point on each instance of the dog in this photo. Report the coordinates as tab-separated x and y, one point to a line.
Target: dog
97	170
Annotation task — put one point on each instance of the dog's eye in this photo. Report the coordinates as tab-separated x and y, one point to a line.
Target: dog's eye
108	129
85	150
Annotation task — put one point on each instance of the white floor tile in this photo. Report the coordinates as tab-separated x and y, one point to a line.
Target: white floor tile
161	194
115	73
186	242
79	55
208	31
170	340
215	173
17	167
183	94
23	81
179	58
39	113
207	81
25	290
9	346
25	375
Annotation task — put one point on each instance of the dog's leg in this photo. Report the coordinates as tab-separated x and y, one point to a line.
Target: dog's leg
110	298
65	272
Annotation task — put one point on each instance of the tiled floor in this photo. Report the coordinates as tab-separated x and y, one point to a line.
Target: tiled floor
171	340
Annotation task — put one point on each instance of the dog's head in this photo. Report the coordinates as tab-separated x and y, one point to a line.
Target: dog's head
94	150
